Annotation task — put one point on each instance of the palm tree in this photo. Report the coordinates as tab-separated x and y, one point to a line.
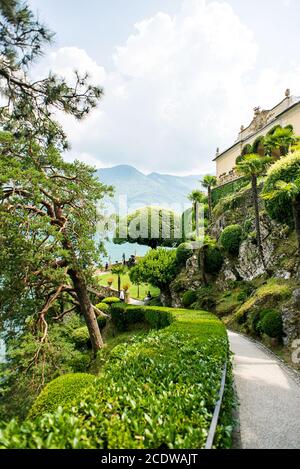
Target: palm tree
209	182
280	139
292	191
197	197
253	166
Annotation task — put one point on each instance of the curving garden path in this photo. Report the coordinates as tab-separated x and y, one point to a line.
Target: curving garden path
269	397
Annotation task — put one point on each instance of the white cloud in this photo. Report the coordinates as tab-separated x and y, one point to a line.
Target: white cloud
181	86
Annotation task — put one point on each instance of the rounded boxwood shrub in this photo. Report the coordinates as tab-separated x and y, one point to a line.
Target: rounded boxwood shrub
183	253
213	260
111	299
271	324
189	297
104	307
231	238
81	337
60	392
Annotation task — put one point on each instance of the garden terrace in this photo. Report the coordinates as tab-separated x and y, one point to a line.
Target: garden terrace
157	391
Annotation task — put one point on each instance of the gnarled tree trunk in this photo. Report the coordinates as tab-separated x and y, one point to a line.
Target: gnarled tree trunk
86	308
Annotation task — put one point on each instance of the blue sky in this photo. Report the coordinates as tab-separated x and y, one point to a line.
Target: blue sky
180	76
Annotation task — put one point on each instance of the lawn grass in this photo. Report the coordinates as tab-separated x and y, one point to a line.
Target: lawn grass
133	290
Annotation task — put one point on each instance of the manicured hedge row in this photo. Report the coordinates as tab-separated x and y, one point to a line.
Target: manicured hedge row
123	315
159	391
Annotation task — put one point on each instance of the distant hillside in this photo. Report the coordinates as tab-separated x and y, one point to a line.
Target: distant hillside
154	188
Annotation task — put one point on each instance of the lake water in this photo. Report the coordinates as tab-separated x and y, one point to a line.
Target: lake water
115	251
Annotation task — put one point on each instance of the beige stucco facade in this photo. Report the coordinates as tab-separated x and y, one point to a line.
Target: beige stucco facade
286	112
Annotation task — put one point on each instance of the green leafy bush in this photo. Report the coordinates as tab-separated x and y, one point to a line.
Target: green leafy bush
61	391
213	260
205	298
81	337
271	324
288	170
220	192
189	297
183	253
255	319
111	300
101	320
104	307
158	391
156	317
231	238
242	296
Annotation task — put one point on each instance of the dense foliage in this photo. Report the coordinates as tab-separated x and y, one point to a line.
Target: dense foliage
213	259
159	391
61	391
271	324
157	267
183	253
231	238
123	315
220	192
22	379
150	226
287	170
189	297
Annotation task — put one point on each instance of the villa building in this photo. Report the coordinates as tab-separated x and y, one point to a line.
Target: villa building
287	112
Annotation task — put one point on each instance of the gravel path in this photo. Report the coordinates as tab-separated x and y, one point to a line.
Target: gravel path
269	398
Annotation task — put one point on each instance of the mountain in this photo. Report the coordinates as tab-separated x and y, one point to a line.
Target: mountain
154	188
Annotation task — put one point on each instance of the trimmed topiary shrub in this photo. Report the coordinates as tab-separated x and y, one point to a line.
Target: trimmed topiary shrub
81	337
271	324
189	297
111	300
60	392
104	307
183	253
124	315
213	260
231	238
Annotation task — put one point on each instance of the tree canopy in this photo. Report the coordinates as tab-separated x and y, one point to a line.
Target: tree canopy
158	267
150	226
47	206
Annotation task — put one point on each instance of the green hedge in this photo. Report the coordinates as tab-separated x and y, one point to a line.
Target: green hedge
81	337
159	391
221	191
61	391
271	324
286	169
111	300
104	307
231	238
123	315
